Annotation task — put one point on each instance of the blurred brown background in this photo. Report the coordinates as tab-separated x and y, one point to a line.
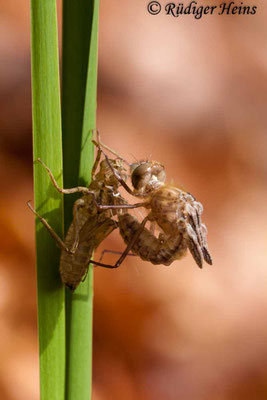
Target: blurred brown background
193	95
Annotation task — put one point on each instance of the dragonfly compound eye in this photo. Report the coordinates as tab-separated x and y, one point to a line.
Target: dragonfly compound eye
141	175
148	175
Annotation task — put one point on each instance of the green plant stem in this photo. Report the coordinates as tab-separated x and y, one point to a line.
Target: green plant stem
79	84
47	145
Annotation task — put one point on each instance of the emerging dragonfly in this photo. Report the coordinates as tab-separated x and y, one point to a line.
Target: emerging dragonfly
175	211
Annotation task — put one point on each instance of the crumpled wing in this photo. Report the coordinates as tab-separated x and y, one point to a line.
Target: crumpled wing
205	251
193	245
200	230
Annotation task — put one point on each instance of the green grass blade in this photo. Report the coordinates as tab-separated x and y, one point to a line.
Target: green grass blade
79	78
47	146
75	48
